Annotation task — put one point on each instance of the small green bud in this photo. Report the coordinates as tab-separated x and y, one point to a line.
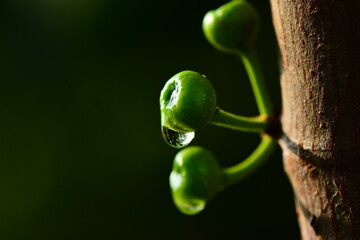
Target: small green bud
195	179
187	102
232	27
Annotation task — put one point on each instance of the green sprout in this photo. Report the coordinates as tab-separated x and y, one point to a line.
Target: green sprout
232	27
196	178
188	103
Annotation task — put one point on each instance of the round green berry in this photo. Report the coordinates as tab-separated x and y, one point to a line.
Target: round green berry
187	102
232	27
195	179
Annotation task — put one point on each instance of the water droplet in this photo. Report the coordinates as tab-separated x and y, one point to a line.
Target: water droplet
177	139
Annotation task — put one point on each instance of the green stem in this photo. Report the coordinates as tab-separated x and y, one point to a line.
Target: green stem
252	163
252	66
248	124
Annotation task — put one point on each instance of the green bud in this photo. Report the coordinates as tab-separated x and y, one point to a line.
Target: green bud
232	27
195	179
187	102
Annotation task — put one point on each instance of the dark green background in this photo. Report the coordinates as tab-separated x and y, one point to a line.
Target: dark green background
81	154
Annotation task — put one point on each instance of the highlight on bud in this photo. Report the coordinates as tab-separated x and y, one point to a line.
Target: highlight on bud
187	103
232	27
195	179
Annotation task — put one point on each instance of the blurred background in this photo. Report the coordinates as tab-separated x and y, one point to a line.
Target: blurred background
81	153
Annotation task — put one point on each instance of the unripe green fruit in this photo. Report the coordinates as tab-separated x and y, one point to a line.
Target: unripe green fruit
233	27
187	102
196	178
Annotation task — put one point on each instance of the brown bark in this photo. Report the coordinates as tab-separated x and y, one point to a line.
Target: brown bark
319	44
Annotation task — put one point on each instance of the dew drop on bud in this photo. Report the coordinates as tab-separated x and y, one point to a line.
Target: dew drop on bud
177	139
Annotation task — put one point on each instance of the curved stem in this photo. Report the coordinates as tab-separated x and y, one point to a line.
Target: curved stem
252	66
251	163
247	124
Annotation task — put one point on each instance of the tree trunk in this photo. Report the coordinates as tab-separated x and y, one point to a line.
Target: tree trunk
319	44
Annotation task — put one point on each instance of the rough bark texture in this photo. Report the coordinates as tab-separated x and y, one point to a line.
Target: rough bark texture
319	44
